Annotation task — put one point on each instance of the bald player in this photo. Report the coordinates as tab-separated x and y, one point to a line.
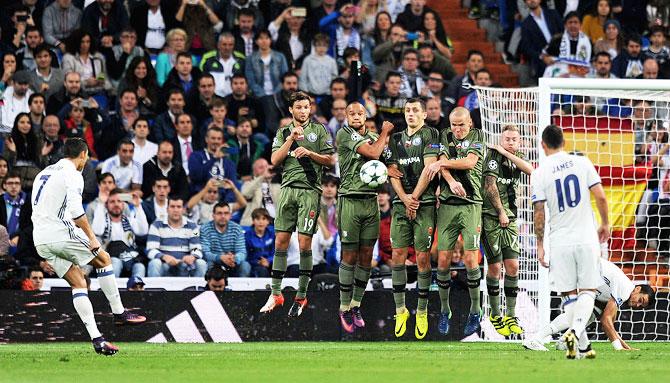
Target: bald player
358	211
461	160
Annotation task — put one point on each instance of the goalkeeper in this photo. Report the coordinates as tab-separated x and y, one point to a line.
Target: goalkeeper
502	172
616	290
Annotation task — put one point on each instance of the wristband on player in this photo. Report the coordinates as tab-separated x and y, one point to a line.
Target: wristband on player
617	345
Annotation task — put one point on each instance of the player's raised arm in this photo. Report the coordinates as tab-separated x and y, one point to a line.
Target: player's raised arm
282	147
374	151
520	163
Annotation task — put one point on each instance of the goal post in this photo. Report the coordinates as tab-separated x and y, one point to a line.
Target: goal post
622	126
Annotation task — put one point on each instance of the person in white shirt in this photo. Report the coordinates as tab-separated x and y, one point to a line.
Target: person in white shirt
117	231
144	149
563	183
57	208
615	291
15	100
126	171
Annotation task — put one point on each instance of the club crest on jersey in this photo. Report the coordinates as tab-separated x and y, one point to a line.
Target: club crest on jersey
465	144
416	141
355	136
493	164
311	137
312	214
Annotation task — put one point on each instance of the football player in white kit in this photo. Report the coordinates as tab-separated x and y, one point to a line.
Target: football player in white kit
564	182
57	208
615	291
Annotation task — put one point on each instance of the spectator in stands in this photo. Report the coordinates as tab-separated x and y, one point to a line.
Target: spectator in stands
106	183
411	79
245	32
429	62
15	100
119	56
126	171
382	30
216	278
162	166
8	70
261	192
165	124
649	69
317	13
199	101
613	42
536	32
575	44
411	19
152	19
120	125
36	277
104	20
244	149
156	206
338	91
201	24
629	63
185	141
390	103
49	134
280	103
259	240
292	38
602	64
24	149
25	55
36	107
318	69
183	76
44	78
173	246
436	88
176	43
212	162
339	118
456	90
238	10
223	242
145	150
384	242
223	63
217	118
117	231
201	205
658	50
325	249
632	15
82	56
482	78
60	19
593	23
339	26
435	34
135	283
241	104
329	185
71	90
16	212
434	117
76	125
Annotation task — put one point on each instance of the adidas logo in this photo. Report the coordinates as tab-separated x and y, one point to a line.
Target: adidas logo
184	330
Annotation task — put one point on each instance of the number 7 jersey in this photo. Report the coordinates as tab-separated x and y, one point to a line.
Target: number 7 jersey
564	180
56	203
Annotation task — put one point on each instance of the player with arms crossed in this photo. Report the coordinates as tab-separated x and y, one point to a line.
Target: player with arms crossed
303	148
57	208
358	211
615	291
502	172
412	219
460	213
563	182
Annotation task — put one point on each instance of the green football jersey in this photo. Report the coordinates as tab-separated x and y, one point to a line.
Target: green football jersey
471	179
348	141
508	177
303	172
408	153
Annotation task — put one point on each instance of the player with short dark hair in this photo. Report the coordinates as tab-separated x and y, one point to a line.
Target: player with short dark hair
413	215
500	236
303	148
358	211
460	213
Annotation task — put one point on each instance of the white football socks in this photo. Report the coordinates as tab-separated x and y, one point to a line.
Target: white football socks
85	310
558	325
582	312
107	282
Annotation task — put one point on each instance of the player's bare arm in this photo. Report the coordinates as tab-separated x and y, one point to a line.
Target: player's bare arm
321	159
520	163
374	150
492	193
538	220
466	163
601	203
279	155
607	321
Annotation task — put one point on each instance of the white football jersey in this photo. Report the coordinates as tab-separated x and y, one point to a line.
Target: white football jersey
617	285
56	202
563	180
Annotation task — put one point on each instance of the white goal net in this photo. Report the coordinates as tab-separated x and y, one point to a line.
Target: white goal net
622	126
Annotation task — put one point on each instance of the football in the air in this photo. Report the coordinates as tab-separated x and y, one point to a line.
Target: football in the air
373	173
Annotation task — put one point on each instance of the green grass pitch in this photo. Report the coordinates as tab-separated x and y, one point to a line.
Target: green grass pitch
328	362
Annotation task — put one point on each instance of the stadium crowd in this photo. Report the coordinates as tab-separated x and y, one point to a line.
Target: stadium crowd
179	101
